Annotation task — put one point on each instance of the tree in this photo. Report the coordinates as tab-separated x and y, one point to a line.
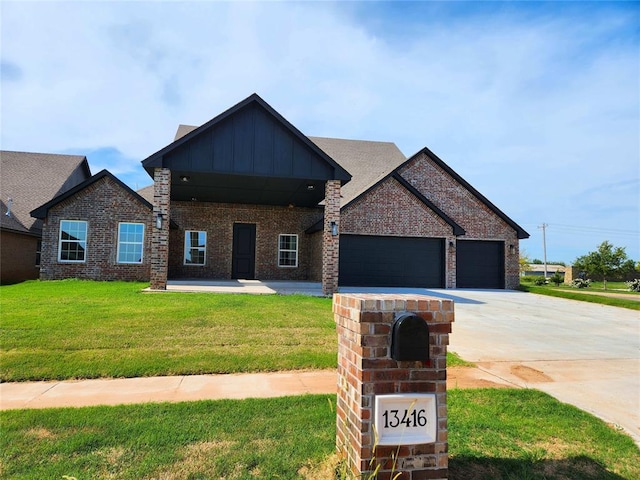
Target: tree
606	261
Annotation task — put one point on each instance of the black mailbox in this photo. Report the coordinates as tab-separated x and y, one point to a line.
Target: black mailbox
410	338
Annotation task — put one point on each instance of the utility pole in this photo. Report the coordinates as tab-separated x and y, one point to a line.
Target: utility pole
544	246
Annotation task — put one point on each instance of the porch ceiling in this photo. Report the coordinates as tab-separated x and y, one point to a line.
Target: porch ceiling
251	189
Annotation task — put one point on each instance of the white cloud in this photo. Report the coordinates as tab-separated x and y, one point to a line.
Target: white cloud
531	108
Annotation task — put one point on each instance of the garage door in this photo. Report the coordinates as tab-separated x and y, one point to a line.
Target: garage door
479	264
371	261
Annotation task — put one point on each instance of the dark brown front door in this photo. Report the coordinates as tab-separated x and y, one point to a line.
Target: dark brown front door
244	251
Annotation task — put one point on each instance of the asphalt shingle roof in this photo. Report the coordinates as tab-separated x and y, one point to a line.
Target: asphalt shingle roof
368	162
32	179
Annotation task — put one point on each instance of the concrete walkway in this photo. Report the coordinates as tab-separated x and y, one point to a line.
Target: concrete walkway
118	391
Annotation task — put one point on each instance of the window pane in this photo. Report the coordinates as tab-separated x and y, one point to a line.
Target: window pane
130	242
73	236
288	250
195	247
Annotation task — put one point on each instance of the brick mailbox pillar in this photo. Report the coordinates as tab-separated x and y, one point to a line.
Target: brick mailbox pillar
392	414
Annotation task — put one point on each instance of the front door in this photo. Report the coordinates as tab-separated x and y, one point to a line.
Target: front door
244	251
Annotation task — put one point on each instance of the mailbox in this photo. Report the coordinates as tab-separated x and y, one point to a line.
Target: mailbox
410	338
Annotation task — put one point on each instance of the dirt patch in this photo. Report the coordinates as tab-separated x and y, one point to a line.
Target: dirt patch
530	375
41	433
471	377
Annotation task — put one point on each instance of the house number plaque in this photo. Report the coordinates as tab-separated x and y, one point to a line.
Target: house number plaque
405	419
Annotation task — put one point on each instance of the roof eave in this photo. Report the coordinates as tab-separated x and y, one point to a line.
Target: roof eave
522	234
42	211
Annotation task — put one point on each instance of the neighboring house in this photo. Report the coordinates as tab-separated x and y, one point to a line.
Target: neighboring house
29	180
535	269
247	195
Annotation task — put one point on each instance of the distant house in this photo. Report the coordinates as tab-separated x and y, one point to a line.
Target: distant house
247	195
535	269
27	180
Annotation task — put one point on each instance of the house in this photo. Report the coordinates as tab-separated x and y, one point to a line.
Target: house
538	270
28	180
247	195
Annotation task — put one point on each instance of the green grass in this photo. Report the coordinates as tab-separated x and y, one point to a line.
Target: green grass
78	329
454	360
575	294
493	434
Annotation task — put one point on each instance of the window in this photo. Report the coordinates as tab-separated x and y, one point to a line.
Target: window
288	250
38	252
130	242
195	247
73	241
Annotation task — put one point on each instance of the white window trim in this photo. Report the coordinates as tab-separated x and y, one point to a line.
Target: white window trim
68	241
288	250
187	248
130	243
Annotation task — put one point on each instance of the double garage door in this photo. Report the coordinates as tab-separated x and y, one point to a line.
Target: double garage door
380	261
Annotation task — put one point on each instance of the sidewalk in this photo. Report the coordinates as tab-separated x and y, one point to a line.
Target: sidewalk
119	391
86	393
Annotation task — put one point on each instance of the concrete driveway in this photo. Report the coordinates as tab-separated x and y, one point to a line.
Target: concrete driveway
584	354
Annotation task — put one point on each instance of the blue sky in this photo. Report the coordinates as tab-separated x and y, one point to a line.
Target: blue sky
536	104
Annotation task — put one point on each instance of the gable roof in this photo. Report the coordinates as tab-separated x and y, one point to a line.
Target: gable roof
43	210
187	134
31	179
521	232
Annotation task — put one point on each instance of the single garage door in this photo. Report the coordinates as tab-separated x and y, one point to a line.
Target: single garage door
479	264
372	261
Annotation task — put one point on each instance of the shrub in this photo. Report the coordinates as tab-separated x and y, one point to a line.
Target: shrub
634	285
581	283
528	278
557	279
540	281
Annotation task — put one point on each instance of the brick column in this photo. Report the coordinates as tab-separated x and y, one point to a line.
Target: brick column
160	236
450	254
330	242
366	369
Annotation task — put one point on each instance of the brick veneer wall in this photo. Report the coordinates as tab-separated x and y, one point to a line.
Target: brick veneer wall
217	219
478	220
366	369
389	209
160	236
18	261
330	242
102	205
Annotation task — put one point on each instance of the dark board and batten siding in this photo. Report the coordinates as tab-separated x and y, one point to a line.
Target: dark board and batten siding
385	261
250	142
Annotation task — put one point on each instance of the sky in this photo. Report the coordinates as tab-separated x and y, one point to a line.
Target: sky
535	104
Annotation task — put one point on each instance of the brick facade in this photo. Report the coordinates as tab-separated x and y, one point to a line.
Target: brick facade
389	209
102	205
217	219
478	220
18	257
160	236
366	369
331	242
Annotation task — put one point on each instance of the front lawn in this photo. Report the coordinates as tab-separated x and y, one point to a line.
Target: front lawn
499	434
81	329
590	295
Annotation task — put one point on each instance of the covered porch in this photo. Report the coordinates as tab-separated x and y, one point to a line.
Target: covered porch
233	199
